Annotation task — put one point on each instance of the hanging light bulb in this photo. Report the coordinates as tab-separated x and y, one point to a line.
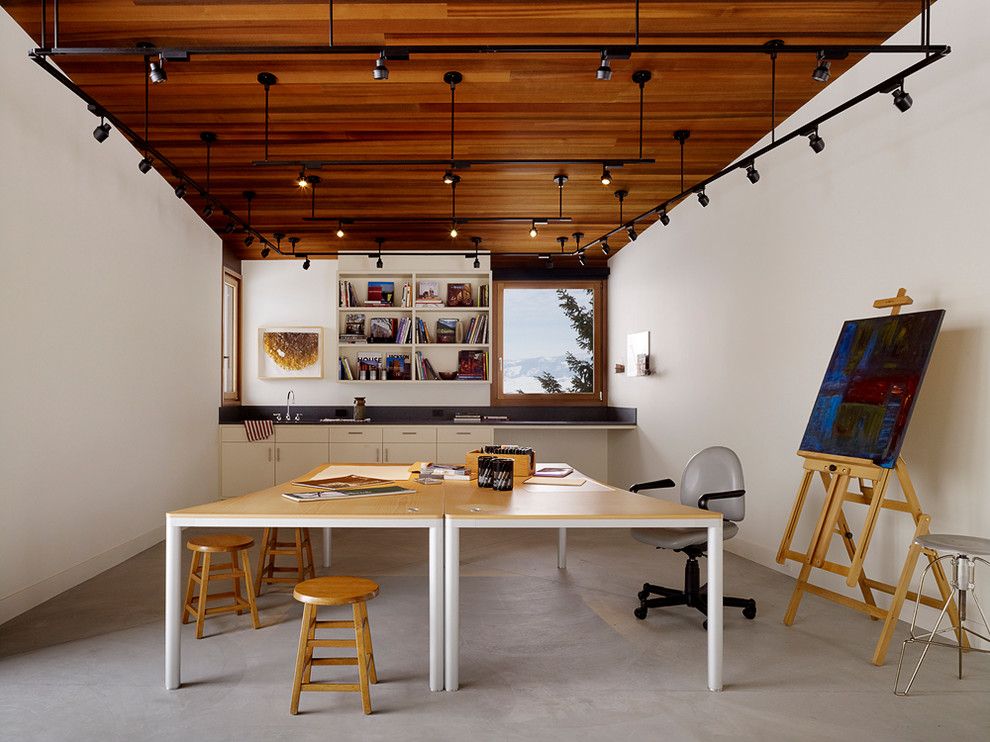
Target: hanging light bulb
606	175
340	229
453	230
532	230
301	180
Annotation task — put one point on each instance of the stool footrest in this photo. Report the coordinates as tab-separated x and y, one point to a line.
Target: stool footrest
333	661
338	687
335	624
331	643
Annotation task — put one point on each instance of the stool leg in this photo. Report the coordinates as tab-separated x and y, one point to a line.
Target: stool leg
308	674
246	562
186	612
310	565
300	569
261	561
301	657
236	581
204	584
362	653
372	673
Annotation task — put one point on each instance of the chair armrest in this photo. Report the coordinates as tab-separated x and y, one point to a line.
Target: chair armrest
728	495
658	484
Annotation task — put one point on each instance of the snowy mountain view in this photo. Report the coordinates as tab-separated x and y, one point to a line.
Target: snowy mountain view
520	374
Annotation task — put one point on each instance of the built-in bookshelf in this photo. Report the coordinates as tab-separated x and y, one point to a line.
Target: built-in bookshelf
413	327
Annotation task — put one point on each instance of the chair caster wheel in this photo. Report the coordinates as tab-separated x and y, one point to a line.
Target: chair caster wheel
750	610
643	594
704	624
640	613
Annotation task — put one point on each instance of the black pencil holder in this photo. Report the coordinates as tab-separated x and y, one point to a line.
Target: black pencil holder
486	471
502	474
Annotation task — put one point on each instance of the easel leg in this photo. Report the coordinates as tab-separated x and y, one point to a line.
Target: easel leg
877	492
792	607
851	550
837	494
785	542
894	612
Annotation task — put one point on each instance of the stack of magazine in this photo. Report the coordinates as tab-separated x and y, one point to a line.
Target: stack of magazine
341	488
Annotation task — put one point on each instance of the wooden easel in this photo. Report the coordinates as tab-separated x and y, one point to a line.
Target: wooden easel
837	473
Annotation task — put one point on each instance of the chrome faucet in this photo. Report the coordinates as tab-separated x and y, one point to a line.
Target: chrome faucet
289	399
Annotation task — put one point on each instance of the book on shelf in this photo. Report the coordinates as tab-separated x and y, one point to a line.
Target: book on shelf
346	374
353	339
345	295
383	330
483	295
406	295
380	294
472	365
422	332
459	295
370	367
428	293
424	369
398	367
477	331
354	324
449	331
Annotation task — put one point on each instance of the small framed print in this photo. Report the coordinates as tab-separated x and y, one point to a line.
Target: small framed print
290	352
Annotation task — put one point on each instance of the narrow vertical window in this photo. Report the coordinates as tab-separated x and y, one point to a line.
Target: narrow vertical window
230	340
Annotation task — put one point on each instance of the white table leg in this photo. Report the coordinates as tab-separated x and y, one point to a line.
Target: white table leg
715	607
452	575
173	605
561	548
436	607
326	547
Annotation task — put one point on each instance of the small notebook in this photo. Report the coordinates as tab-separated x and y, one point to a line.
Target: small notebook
560	481
554	471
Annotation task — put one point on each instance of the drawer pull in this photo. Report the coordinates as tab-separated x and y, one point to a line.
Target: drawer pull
408	432
464	433
354	432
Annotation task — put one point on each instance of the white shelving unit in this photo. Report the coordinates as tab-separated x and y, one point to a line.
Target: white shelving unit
442	356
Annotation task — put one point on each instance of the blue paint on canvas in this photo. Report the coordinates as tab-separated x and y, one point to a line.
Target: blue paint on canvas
870	387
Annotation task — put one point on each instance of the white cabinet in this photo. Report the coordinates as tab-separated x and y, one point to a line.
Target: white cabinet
407	453
455	441
246	467
295	459
357	453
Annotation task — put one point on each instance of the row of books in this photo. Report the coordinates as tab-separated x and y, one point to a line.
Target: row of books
424	369
472	365
379	294
394	367
477	331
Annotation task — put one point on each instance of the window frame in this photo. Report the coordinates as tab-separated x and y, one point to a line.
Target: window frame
233	279
596	398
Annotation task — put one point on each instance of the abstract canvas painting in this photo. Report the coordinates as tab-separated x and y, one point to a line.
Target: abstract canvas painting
290	353
871	385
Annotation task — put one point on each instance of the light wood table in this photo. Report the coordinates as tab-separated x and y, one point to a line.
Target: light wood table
267	508
593	505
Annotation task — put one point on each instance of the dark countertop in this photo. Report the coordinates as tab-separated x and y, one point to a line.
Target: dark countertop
409	415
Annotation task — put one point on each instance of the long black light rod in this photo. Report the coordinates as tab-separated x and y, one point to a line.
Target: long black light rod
833	51
140	143
886	86
542	220
456	164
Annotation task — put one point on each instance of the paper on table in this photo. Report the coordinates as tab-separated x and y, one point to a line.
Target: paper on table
383	471
563	481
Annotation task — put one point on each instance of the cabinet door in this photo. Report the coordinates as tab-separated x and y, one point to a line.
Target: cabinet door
356	453
246	467
454	453
407	453
295	459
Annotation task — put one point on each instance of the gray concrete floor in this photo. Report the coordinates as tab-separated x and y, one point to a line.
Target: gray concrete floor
546	654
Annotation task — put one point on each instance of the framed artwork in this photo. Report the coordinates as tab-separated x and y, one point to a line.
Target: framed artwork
871	385
290	352
638	353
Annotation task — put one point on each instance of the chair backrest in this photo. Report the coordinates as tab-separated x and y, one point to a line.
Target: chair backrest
714	469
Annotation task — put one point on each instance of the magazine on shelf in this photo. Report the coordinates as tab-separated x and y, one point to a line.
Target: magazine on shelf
472	365
448	330
459	295
354	324
370	367
398	367
428	293
382	330
380	293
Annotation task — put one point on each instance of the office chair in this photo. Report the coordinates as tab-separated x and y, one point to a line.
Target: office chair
712	480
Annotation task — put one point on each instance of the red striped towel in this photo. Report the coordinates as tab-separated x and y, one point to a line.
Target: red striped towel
258	430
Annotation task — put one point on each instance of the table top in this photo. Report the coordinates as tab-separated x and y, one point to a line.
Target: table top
460	499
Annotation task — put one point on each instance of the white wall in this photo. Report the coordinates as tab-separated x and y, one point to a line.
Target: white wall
280	292
744	299
109	319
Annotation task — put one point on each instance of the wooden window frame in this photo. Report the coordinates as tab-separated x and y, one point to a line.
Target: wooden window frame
596	398
231	278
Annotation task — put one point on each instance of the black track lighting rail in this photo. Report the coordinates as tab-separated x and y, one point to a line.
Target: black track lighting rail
458	164
886	86
542	220
615	51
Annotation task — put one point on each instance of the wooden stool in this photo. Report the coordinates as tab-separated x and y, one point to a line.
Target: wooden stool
301	548
203	547
335	591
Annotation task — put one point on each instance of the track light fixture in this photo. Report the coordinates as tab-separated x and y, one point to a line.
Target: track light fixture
207	211
822	71
229	227
752	174
532	230
249	196
578	236
606	250
101	132
902	99
301	180
379	264
306	264
581	261
816	143
156	70
340	228
380	241
381	71
145	165
265	251
631	231
449	177
180	190
703	197
477	261
663	216
606	175
604	71
248	240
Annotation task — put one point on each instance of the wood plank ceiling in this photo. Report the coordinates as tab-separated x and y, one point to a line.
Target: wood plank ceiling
508	106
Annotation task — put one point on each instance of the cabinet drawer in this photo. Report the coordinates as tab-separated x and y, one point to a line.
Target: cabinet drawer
302	434
409	434
234	434
356	434
464	434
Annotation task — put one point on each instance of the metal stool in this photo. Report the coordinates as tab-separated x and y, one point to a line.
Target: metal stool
962	551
